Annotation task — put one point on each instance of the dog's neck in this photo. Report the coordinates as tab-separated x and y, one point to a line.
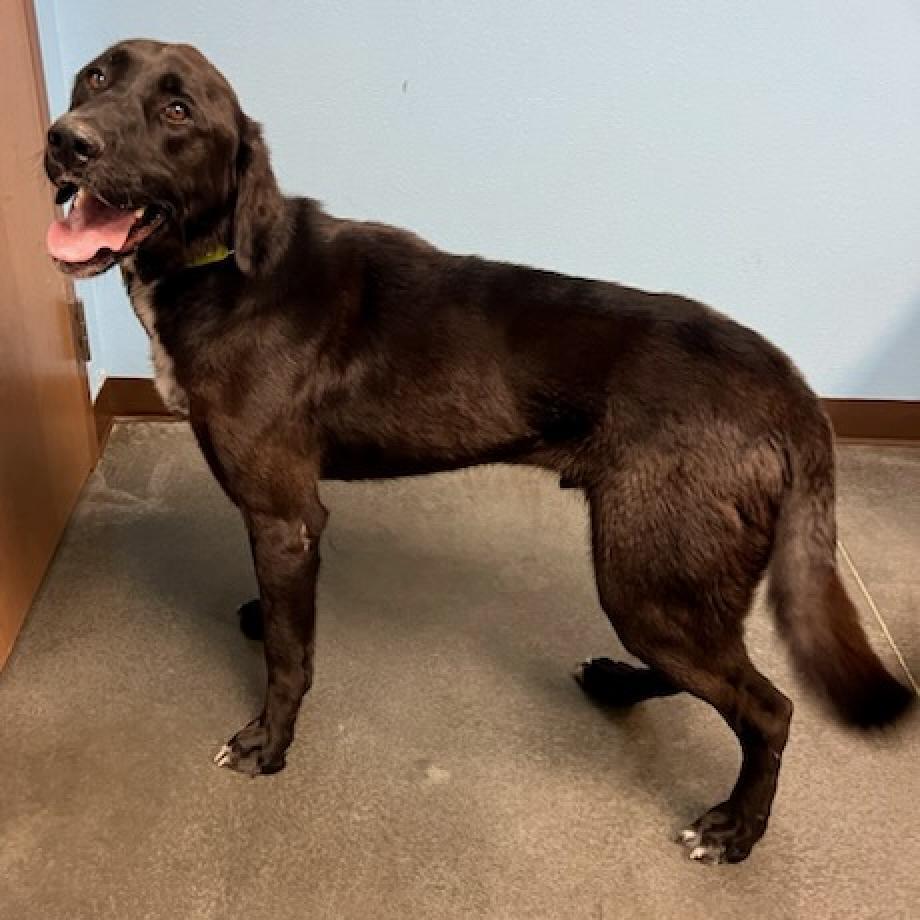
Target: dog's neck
141	294
202	241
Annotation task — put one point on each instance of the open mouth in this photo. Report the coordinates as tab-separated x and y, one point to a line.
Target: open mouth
94	234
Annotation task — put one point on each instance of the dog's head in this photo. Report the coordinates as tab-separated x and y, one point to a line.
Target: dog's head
159	159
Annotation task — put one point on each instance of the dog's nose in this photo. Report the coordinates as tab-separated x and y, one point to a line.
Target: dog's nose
73	143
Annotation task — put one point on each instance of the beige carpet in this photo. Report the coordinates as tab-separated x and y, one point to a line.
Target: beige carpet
446	764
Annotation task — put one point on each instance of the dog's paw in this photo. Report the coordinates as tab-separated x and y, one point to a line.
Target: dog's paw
247	752
721	836
709	853
613	683
601	676
250	615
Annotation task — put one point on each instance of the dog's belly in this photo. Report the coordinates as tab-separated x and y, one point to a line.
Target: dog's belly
371	461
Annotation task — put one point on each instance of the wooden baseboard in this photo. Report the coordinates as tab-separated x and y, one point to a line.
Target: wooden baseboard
853	419
126	397
886	420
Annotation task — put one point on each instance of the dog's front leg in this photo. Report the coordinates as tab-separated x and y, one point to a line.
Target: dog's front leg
286	555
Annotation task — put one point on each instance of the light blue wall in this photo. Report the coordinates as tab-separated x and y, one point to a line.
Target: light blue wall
763	157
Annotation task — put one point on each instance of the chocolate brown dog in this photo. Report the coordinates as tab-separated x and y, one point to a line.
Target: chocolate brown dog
302	346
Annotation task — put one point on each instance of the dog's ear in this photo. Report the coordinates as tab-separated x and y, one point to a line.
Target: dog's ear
258	217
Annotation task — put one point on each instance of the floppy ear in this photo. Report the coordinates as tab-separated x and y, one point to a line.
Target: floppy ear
258	218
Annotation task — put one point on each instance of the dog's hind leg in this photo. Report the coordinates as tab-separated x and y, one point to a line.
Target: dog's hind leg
676	589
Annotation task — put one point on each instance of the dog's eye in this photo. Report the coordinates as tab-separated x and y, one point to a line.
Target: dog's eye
96	78
176	111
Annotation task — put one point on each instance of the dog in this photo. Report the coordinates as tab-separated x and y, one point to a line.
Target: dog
301	346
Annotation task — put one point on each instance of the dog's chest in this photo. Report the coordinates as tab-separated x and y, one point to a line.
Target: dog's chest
174	397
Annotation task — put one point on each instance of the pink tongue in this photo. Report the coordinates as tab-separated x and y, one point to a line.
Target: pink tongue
87	229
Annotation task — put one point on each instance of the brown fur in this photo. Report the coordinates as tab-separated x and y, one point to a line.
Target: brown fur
332	348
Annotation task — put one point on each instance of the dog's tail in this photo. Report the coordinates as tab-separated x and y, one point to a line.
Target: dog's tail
814	613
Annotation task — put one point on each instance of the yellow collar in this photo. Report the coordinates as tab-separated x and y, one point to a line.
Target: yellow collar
217	254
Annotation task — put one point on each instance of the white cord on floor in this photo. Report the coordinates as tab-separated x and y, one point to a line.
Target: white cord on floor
878	616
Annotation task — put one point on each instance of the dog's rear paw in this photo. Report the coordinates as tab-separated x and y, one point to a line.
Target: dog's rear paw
613	683
603	678
250	615
721	836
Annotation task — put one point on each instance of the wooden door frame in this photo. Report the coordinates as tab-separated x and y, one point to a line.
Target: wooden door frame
48	413
38	77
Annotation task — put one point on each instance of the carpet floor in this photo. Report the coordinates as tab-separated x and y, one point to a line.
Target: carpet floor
446	764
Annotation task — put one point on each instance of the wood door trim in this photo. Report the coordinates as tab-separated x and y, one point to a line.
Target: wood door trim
47	419
38	70
38	76
67	286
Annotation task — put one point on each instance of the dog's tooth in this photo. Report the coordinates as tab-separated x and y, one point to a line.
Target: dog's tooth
80	197
139	212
